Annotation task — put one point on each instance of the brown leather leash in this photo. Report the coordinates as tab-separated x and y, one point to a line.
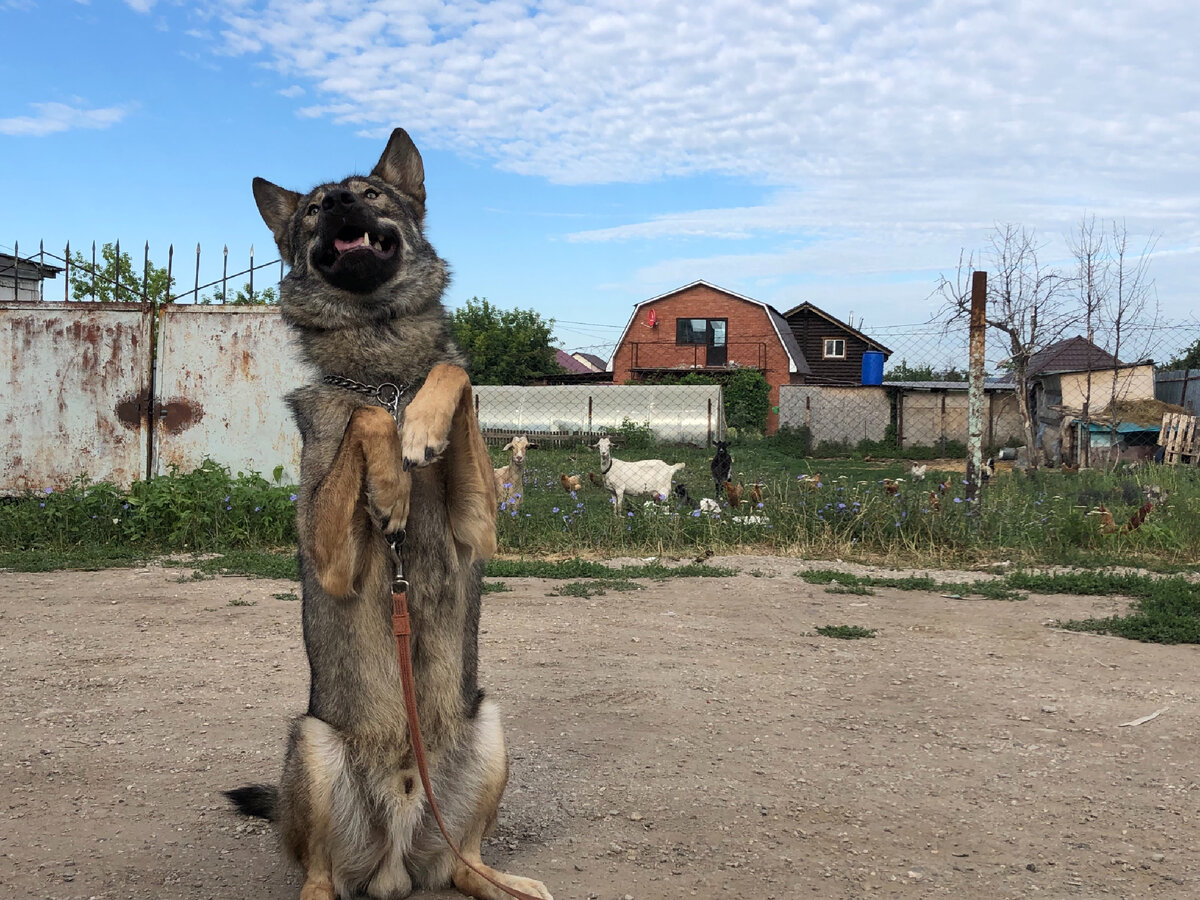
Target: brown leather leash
402	629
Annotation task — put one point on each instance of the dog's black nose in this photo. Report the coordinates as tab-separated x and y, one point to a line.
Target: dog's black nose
337	201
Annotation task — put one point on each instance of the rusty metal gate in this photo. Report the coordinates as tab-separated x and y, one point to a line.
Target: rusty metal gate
82	399
223	373
76	398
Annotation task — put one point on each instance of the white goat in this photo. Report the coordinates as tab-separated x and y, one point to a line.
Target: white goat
645	476
510	480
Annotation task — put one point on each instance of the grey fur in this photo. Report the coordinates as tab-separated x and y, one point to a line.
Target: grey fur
376	317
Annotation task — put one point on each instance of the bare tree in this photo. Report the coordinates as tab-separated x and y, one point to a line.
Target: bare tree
1028	303
1088	246
1117	297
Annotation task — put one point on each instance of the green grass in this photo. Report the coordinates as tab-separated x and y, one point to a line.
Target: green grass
846	583
88	558
255	563
859	589
585	568
1029	520
587	589
1163	611
845	632
1037	519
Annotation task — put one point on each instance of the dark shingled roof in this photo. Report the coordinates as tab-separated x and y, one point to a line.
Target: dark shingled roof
1076	354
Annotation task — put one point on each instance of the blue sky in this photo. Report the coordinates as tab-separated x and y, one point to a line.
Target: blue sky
582	158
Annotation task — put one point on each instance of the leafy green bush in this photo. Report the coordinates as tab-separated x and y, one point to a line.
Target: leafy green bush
747	400
206	509
791	441
634	435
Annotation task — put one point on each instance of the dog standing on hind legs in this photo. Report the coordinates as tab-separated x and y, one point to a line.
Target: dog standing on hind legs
363	298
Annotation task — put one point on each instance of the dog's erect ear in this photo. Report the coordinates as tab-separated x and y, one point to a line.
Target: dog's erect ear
401	166
276	205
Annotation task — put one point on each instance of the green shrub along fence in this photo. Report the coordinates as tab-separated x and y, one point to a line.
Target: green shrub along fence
824	508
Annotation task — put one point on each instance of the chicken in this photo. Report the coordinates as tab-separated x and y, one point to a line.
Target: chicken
891	486
989	470
1109	526
934	503
570	483
918	472
597	480
810	482
756	492
734	492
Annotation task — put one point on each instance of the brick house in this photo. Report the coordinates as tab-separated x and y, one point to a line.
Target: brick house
834	349
704	328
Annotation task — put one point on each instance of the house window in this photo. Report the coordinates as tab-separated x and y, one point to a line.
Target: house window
700	331
835	348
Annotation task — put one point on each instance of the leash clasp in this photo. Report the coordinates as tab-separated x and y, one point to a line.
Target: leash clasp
395	541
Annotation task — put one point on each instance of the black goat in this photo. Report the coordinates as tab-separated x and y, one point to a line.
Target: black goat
721	466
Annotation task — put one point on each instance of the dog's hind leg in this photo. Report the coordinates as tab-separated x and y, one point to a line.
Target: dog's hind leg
314	774
492	774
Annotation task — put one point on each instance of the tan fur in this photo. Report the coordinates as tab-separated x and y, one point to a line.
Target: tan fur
350	806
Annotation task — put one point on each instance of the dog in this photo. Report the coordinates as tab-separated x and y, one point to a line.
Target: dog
363	298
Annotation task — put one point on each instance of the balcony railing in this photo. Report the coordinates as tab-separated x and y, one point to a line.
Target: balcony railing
650	356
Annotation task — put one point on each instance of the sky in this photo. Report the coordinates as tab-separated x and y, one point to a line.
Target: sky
582	158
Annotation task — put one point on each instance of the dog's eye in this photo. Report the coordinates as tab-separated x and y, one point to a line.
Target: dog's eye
313	209
370	193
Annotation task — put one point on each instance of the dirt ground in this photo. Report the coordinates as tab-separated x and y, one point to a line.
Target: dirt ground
692	739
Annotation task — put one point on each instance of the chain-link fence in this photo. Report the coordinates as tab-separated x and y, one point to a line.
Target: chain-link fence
572	414
1081	394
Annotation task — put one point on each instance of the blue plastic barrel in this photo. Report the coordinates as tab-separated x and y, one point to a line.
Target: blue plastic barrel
872	367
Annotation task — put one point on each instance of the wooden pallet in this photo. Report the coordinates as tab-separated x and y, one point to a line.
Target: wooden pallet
1180	439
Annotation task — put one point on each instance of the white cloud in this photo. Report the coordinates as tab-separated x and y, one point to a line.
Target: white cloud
624	91
892	133
141	6
51	118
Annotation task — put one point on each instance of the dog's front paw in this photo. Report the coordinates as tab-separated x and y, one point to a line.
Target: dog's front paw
426	434
391	514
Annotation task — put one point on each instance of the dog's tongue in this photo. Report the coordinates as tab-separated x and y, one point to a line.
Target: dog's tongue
342	246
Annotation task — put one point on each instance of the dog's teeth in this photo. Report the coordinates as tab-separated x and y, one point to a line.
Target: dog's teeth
367	238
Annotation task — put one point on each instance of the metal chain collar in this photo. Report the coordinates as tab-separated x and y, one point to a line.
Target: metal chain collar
387	394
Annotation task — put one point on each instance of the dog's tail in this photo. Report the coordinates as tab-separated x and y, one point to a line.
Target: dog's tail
261	800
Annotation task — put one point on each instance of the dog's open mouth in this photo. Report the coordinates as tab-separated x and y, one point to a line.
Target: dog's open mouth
349	241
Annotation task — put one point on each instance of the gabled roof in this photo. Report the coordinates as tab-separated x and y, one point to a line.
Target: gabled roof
570	363
1076	354
591	359
816	310
796	362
